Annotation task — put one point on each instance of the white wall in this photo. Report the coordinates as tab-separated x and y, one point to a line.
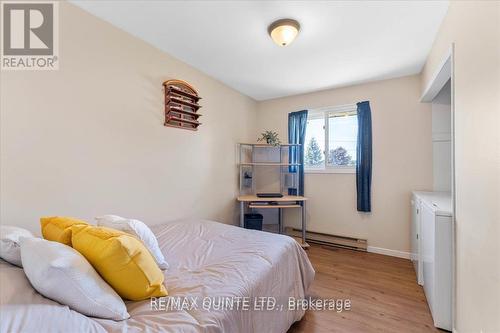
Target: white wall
89	139
474	28
402	161
441	139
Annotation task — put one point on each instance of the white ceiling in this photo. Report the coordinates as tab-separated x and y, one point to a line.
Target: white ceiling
340	43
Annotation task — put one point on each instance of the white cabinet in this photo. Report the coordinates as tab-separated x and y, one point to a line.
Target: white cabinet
432	241
415	237
428	254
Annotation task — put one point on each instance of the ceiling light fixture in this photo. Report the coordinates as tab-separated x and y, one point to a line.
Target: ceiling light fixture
284	31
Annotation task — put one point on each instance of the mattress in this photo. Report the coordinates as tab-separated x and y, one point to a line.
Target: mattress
221	278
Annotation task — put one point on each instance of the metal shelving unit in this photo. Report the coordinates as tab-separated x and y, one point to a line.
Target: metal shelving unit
254	155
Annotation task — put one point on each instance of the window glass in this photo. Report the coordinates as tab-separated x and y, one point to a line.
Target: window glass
331	139
314	157
342	138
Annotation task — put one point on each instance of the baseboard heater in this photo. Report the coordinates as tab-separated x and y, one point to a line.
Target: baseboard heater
329	240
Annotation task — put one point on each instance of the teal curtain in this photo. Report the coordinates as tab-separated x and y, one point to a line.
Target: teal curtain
297	122
364	157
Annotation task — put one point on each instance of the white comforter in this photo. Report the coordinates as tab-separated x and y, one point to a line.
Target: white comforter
209	262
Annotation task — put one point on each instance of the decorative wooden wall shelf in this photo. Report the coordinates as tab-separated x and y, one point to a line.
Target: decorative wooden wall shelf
181	105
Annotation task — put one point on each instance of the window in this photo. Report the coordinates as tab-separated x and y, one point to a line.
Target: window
331	137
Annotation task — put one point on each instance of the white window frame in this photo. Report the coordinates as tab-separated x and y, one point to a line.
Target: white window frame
326	113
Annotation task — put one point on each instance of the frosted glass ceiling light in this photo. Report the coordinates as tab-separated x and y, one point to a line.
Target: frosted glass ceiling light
284	31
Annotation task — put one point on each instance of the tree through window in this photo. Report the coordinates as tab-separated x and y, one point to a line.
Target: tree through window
314	155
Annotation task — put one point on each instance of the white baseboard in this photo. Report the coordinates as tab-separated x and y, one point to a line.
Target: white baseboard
388	252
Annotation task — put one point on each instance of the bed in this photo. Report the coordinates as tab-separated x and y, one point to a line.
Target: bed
215	270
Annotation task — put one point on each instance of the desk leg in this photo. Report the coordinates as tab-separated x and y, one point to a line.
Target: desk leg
304	222
280	221
242	214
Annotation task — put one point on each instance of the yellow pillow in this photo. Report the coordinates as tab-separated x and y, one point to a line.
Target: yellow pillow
58	228
122	260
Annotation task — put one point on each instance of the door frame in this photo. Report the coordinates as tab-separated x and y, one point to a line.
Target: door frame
444	72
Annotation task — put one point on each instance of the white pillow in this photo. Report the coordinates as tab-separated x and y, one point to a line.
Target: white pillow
10	249
139	230
61	273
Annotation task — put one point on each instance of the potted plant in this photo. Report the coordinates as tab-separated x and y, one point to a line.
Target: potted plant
270	137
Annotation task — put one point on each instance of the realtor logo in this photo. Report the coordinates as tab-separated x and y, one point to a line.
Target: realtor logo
29	36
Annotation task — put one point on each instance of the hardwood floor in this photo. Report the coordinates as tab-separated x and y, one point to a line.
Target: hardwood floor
384	294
